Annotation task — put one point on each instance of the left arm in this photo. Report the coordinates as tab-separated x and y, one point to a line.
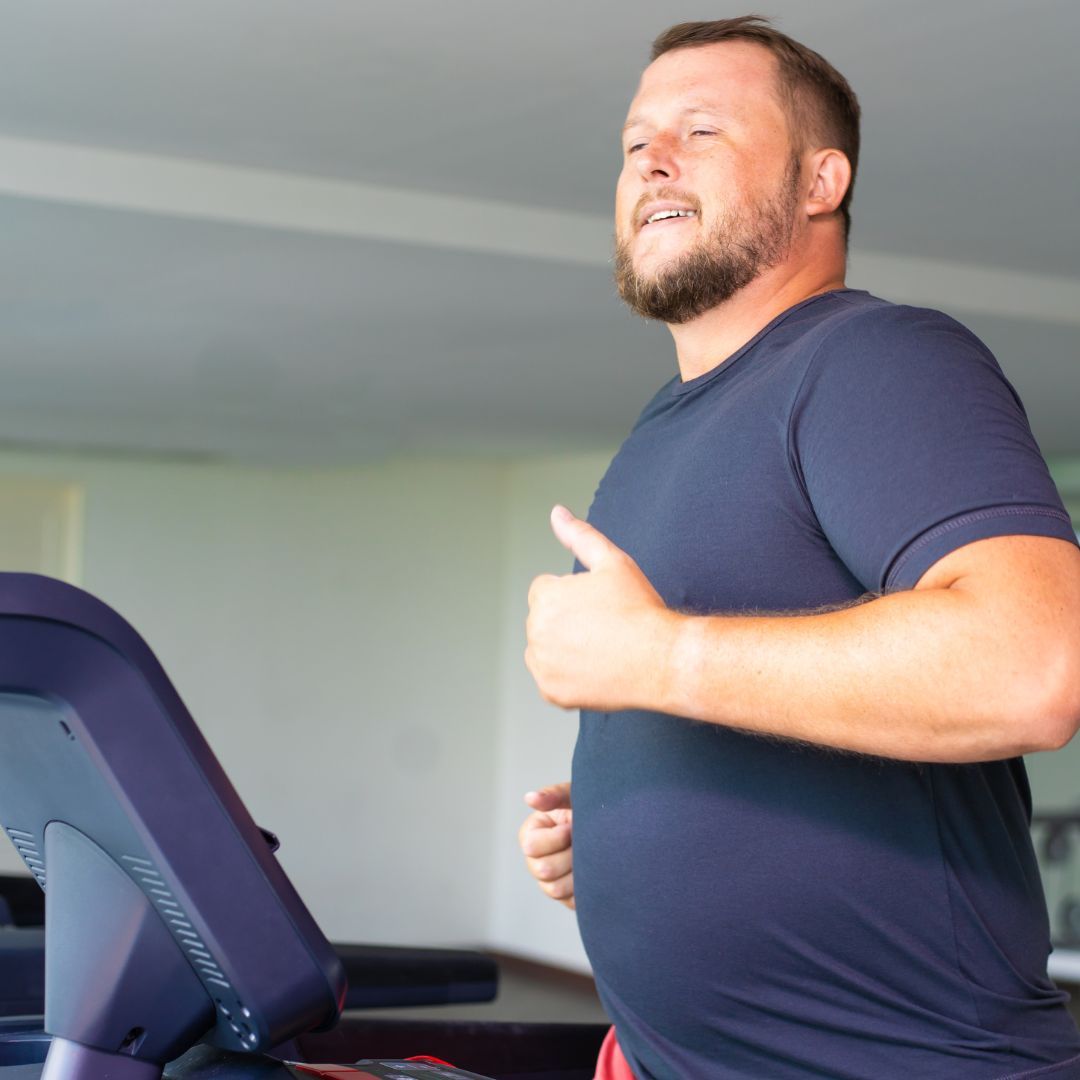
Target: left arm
980	661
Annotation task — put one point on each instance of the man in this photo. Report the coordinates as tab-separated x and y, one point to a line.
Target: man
829	595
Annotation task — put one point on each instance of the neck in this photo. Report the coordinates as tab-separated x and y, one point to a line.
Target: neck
707	341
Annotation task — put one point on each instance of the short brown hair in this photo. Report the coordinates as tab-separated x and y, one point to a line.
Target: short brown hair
821	107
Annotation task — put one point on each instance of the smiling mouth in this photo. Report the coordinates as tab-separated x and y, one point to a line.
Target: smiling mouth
668	215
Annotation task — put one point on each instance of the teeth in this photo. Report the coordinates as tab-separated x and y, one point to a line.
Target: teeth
661	214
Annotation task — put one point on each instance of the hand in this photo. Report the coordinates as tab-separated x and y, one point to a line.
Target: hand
601	639
546	839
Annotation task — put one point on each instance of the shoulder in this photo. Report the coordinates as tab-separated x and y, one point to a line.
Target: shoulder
859	318
867	344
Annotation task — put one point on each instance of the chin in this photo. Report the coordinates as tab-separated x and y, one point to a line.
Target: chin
653	263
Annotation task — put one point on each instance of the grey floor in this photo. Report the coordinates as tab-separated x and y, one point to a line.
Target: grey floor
523	995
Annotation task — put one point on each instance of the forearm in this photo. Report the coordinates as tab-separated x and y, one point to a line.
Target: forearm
928	675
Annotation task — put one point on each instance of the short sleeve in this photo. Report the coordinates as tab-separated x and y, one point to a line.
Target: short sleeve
909	442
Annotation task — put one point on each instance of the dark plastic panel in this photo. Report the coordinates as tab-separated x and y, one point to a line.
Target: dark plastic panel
94	735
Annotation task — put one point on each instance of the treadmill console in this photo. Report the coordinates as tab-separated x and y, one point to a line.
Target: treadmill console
168	919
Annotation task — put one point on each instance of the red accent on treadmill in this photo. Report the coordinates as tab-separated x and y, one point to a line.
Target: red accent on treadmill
431	1060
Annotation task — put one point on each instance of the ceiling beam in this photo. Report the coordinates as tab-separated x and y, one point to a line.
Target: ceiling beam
180	187
208	191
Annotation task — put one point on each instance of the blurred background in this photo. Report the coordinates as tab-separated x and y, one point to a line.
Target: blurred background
306	320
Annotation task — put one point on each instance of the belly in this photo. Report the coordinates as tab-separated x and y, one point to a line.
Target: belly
721	875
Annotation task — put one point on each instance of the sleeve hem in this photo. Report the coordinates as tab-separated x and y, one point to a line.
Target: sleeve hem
934	544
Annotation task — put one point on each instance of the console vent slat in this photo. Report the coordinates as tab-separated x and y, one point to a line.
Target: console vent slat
26	845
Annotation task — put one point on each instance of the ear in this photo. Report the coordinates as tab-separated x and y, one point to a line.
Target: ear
830	173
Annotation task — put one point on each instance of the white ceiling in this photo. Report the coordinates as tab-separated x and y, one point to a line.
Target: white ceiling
323	231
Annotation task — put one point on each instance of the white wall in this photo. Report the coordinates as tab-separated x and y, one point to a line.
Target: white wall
336	637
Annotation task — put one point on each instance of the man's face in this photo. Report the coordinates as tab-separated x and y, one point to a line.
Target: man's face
709	190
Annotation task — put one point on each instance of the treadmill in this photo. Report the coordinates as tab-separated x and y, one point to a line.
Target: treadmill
174	944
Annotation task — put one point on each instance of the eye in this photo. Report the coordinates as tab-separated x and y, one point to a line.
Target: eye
702	131
633	147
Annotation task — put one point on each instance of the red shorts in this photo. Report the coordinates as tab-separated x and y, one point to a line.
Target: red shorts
611	1065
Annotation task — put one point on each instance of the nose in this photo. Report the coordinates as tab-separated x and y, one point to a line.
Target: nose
658	160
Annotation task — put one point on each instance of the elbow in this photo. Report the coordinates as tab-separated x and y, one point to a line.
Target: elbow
1051	710
1057	729
1053	734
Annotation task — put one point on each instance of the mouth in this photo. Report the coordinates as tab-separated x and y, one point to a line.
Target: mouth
664	217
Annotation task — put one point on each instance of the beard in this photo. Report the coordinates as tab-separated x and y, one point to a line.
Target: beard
745	242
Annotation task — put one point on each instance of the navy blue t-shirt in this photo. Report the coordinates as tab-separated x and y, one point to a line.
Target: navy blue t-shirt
756	908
